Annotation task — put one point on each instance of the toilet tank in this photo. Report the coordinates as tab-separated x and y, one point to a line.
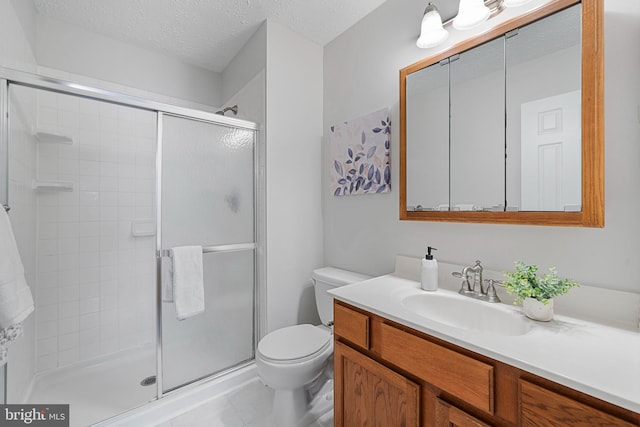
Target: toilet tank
328	278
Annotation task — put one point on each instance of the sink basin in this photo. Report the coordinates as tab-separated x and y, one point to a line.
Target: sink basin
466	313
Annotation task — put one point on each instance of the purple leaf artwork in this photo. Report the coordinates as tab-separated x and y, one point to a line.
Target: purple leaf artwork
360	162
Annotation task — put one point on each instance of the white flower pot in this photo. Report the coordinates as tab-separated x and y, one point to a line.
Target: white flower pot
534	309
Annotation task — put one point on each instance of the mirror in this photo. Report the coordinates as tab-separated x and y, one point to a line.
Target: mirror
427	107
508	127
477	127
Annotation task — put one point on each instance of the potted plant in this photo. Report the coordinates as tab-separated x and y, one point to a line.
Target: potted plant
536	293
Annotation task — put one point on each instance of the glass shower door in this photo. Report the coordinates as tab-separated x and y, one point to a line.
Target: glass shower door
207	199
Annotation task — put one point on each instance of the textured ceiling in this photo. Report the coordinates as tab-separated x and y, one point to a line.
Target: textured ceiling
207	33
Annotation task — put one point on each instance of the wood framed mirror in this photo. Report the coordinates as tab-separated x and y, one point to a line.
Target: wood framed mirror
450	194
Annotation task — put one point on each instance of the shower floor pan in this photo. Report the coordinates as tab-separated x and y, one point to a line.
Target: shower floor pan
98	391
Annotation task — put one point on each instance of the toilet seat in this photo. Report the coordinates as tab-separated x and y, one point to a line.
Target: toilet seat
294	343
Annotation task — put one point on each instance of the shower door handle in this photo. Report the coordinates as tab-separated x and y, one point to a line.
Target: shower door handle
220	248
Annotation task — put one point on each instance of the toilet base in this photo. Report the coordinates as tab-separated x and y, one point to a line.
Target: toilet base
302	407
290	406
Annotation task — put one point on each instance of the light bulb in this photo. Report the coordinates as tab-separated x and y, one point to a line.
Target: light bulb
470	14
432	33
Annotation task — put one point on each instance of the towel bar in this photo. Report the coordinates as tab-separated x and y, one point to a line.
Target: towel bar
219	248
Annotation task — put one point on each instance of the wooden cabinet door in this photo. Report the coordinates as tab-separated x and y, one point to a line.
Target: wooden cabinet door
542	407
450	416
369	394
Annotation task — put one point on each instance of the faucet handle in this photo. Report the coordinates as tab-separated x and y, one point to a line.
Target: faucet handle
492	296
493	282
466	286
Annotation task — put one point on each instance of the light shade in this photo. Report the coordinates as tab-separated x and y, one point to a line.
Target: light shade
514	3
431	31
470	14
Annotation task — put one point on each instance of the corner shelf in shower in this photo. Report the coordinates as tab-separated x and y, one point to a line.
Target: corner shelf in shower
50	137
52	186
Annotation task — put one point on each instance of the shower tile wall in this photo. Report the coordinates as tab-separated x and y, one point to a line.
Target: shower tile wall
95	280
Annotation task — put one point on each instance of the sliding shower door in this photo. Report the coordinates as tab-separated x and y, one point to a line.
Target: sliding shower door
206	183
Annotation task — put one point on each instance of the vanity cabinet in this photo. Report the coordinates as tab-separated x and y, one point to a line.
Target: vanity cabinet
390	375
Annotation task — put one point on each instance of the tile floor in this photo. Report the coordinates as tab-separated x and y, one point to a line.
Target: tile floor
246	406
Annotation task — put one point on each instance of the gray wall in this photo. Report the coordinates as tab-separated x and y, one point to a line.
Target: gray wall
247	63
16	36
72	49
364	233
293	131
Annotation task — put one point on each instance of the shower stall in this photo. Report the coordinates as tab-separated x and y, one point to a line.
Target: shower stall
99	187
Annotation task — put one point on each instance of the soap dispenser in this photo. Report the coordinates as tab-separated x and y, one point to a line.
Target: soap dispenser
429	272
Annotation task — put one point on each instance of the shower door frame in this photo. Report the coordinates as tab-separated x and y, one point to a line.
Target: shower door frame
20	78
224	248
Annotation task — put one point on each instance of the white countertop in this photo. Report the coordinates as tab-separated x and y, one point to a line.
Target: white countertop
599	360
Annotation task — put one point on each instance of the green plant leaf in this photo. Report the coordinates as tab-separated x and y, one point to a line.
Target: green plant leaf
525	283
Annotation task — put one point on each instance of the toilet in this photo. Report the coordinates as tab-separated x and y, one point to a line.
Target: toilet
291	358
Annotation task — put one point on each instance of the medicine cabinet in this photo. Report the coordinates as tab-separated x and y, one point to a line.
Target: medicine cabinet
507	127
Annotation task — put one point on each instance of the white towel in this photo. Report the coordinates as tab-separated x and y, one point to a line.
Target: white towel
167	282
7	337
188	283
16	301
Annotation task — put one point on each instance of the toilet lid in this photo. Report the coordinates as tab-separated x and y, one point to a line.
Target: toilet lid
294	342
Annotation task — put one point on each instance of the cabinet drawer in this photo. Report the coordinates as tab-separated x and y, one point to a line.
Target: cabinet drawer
539	406
452	372
450	416
351	325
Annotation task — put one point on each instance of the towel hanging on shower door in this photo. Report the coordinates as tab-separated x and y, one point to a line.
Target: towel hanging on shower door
188	281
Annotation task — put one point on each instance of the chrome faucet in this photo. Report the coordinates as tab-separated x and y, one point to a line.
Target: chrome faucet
477	279
477	290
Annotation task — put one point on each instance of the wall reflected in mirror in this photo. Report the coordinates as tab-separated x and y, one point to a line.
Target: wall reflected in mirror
477	127
427	155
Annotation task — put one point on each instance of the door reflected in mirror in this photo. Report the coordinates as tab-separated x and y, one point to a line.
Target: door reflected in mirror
543	113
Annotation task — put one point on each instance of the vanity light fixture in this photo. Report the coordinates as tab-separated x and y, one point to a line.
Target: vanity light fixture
471	13
432	33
